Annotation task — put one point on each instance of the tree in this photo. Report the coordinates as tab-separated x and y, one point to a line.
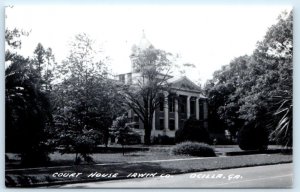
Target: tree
39	58
224	92
43	62
143	96
192	131
272	87
27	106
122	131
247	92
85	99
278	47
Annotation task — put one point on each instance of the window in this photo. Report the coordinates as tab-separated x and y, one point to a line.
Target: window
136	118
129	76
161	124
182	121
171	103
172	124
201	111
182	104
161	103
192	105
122	78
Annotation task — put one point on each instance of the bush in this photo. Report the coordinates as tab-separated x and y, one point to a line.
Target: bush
222	140
163	140
252	137
133	138
193	149
128	136
125	134
192	130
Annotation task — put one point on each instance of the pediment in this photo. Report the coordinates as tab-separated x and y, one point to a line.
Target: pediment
184	83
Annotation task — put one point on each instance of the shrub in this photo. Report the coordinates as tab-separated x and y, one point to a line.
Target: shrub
193	149
252	137
192	130
222	140
133	138
83	144
163	140
283	133
125	134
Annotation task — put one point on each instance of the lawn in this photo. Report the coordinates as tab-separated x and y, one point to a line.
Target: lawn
158	152
57	159
156	160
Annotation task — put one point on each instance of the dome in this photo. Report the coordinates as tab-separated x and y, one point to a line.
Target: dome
144	42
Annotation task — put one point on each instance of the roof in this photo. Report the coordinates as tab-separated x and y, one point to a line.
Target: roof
184	84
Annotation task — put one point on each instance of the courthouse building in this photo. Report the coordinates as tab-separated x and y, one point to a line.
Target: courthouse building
182	101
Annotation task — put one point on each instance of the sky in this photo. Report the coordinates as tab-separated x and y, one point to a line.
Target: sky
206	36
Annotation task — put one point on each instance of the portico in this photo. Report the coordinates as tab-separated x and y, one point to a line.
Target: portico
184	100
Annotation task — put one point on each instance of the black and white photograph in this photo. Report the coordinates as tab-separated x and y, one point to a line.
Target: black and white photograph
148	96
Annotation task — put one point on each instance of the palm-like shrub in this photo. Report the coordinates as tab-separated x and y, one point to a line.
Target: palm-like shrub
283	133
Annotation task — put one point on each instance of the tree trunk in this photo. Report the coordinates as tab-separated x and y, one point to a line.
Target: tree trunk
147	137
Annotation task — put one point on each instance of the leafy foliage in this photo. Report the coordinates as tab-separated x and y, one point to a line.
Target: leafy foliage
283	133
13	38
43	62
27	109
164	140
224	92
192	130
253	138
247	91
123	132
82	143
85	99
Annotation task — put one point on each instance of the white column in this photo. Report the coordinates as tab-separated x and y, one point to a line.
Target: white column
176	113
197	108
153	121
188	107
166	111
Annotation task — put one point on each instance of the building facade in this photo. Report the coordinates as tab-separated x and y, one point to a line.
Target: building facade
183	101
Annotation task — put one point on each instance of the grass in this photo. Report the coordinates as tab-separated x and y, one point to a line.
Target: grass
154	153
57	159
123	165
